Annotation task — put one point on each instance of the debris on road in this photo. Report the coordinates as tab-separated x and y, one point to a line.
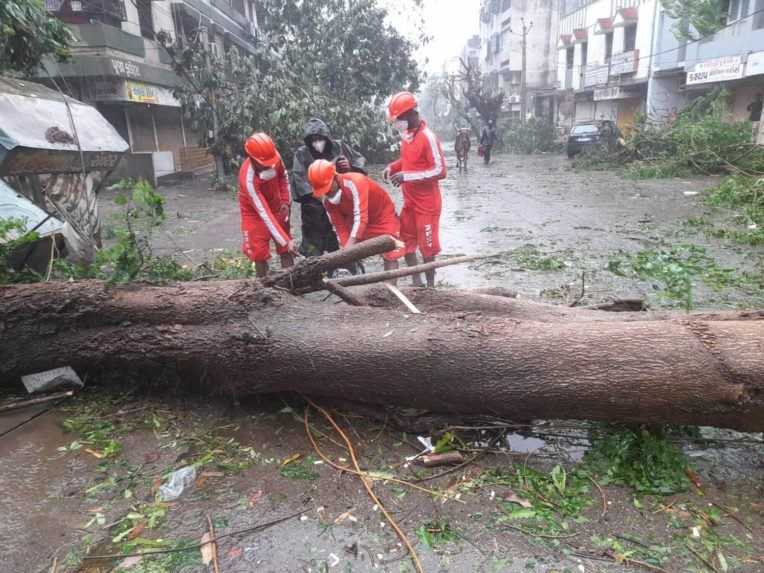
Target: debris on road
177	483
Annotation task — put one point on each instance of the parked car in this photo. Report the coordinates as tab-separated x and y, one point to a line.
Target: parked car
590	134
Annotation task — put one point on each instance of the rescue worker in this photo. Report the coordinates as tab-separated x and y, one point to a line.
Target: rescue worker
265	204
317	234
420	167
358	208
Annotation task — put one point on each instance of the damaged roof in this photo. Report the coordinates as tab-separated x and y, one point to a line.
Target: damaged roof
36	117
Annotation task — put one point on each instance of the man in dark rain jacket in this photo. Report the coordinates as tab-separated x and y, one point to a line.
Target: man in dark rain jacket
318	237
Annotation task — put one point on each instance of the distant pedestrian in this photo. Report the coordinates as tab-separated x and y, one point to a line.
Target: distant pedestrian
265	204
488	140
462	148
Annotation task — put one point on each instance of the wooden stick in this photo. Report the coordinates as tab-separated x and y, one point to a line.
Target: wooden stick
343	293
404	272
215	563
403	298
434	460
33	401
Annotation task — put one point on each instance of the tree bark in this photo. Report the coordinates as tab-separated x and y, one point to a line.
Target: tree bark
519	361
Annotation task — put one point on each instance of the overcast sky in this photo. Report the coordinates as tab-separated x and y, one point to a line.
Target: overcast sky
449	22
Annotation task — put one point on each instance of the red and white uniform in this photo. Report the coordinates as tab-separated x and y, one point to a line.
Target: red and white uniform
363	210
265	207
422	164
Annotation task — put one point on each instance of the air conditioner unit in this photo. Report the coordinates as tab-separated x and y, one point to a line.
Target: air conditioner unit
514	99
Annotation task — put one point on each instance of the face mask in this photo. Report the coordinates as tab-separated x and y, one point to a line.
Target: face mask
268	174
319	145
401	126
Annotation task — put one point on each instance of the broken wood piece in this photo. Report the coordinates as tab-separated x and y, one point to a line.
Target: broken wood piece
403	298
404	272
306	275
447	459
343	293
34	401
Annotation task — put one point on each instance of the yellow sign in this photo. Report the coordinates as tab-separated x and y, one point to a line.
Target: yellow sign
142	93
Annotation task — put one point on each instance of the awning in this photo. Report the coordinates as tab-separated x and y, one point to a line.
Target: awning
603	26
626	17
581	35
41	129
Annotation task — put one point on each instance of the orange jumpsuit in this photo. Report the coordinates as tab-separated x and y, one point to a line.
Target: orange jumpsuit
363	210
265	208
423	164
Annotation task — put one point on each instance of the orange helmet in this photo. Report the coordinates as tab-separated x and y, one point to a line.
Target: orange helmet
260	147
320	176
399	104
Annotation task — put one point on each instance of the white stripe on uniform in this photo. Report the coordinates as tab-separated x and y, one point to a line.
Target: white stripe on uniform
261	210
437	159
356	209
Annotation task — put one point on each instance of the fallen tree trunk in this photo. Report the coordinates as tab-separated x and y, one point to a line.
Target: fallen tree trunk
238	337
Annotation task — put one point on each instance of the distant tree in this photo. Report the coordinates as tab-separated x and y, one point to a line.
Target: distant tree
697	18
486	102
335	59
27	33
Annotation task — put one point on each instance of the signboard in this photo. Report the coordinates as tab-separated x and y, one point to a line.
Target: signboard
115	89
613	92
755	65
624	63
141	93
125	68
595	76
716	70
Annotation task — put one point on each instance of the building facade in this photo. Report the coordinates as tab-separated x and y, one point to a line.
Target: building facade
605	59
118	66
501	34
732	58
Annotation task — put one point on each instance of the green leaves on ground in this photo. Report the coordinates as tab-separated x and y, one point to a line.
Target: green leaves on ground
643	459
302	470
13	237
676	269
744	195
555	498
436	533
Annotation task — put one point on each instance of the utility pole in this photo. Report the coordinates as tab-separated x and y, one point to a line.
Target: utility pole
524	70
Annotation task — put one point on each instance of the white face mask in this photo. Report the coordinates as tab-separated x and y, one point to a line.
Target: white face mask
401	126
319	145
268	174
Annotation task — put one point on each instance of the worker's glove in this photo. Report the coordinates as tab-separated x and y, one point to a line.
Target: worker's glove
397	179
343	165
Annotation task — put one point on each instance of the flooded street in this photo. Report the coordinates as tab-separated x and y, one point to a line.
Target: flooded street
92	490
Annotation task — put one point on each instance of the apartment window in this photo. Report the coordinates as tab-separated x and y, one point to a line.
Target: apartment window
506	5
238	5
744	6
584	53
608	46
734	11
758	19
629	38
570	55
145	19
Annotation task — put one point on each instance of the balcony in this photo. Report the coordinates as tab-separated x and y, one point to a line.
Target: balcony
82	11
105	36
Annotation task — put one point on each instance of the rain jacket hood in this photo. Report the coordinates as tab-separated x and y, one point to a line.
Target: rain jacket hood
314	127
